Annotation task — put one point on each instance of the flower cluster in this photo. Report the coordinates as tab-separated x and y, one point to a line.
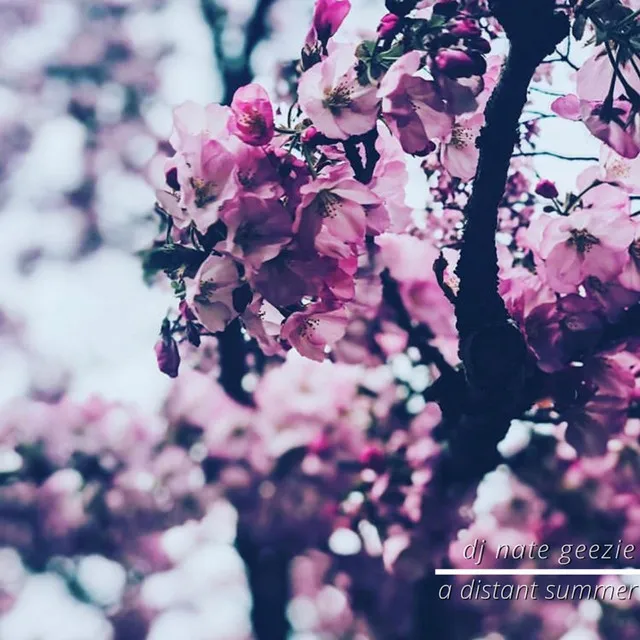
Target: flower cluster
271	217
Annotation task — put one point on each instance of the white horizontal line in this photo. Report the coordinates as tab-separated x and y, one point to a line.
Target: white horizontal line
538	572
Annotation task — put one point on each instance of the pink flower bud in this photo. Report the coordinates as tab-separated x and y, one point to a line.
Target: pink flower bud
308	135
388	24
252	116
479	44
167	356
372	457
328	16
546	189
456	63
465	28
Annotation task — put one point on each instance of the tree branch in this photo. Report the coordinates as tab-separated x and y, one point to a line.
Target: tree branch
232	354
491	348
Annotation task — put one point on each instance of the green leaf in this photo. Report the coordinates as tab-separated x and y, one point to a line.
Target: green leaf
169	258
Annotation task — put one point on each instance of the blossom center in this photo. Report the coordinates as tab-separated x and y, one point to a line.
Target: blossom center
582	240
634	250
337	98
461	137
207	292
205	192
619	169
328	203
253	121
308	327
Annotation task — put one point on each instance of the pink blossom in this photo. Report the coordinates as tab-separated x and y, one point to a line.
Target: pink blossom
312	330
257	229
207	184
609	124
459	153
605	391
335	202
193	124
559	332
210	293
612	297
252	115
624	172
389	183
586	243
256	173
412	106
263	322
332	97
594	77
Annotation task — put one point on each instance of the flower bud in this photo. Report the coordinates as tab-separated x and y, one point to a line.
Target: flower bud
457	64
478	44
167	356
388	25
547	189
308	135
328	16
465	28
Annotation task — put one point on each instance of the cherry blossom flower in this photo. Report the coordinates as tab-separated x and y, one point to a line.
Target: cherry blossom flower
210	293
312	330
389	182
332	97
459	153
334	202
606	121
257	229
585	243
600	406
206	183
412	106
252	115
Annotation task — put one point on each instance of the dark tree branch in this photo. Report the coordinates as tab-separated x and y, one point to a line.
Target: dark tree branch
491	347
232	354
268	576
236	72
478	405
558	156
